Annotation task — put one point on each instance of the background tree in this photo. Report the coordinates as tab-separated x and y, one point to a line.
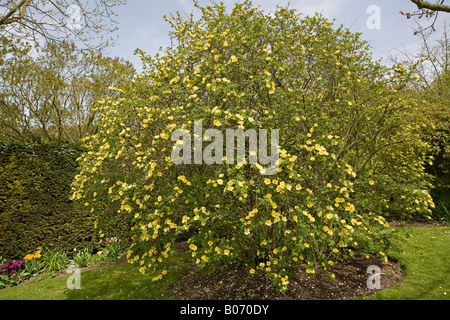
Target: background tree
52	97
41	21
439	5
428	10
431	96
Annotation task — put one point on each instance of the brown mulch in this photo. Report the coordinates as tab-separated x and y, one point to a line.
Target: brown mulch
235	283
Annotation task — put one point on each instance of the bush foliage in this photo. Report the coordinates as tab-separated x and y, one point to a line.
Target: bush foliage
350	153
35	206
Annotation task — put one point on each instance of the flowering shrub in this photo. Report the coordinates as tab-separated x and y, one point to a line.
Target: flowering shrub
347	146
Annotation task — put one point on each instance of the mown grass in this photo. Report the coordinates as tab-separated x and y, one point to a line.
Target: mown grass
112	282
425	257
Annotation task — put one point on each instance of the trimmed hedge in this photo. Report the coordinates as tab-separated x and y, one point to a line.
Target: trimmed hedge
35	206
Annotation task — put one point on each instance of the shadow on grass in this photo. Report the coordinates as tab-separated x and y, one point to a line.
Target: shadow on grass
124	282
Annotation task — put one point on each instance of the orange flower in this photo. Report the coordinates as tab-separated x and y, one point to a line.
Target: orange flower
28	257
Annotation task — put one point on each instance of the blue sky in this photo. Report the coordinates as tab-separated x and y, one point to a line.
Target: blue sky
141	24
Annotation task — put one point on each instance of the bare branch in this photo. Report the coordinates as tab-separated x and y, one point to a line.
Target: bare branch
38	21
439	6
8	19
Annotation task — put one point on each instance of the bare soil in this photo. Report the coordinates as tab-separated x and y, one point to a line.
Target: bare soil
235	283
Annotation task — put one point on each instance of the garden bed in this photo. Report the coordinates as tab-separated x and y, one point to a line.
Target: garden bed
235	283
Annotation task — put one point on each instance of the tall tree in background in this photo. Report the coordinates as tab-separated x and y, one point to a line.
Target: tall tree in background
41	21
429	10
53	97
431	96
427	5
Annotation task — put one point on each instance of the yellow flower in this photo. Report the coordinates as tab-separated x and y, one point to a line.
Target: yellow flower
205	258
371	182
306	245
233	58
268	223
192	247
226	252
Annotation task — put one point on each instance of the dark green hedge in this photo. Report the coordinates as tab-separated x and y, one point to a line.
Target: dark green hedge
35	206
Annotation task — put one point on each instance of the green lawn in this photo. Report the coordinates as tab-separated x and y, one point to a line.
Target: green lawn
425	257
426	260
114	282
